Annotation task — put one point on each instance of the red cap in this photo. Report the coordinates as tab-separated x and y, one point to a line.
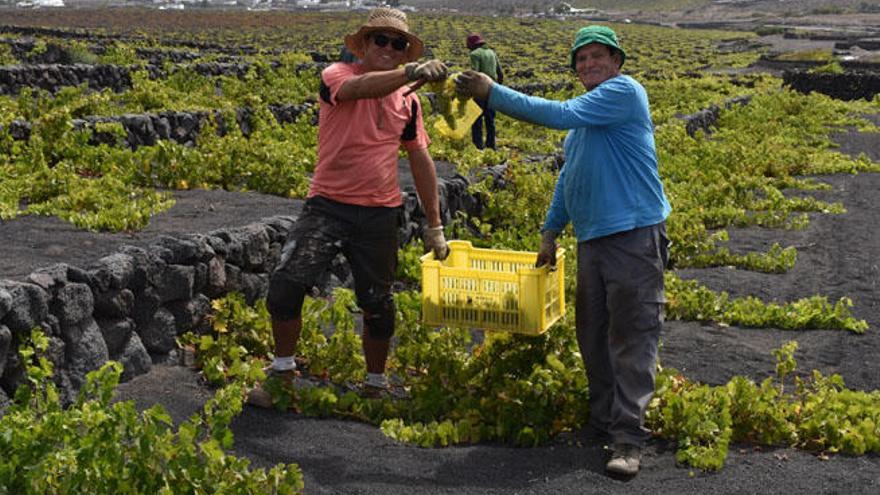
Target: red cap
474	40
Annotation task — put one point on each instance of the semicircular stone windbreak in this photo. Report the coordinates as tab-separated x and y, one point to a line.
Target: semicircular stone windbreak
850	85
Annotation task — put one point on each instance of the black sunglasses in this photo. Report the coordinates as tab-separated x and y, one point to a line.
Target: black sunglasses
382	40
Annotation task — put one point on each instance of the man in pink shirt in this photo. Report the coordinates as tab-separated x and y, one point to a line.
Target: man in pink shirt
366	114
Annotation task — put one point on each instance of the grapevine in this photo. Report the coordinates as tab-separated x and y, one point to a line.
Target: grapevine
447	102
95	446
528	390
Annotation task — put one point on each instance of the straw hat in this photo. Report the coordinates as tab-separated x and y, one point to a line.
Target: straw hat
385	19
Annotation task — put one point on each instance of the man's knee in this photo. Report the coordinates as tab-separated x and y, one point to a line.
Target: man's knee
379	318
285	298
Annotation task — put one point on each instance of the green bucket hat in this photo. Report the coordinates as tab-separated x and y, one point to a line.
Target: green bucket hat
596	34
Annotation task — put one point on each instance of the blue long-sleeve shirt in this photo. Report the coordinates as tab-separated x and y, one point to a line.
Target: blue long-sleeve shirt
609	182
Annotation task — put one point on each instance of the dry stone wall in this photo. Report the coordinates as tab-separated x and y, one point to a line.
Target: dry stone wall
852	85
705	119
130	306
183	127
97	41
54	76
23	50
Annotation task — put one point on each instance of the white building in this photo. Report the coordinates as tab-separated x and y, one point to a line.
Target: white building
36	4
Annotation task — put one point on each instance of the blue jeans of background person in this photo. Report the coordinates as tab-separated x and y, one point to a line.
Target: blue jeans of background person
477	129
618	320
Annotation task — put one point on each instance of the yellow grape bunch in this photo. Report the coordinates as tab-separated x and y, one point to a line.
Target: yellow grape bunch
446	102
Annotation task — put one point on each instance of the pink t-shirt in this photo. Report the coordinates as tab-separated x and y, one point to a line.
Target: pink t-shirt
359	140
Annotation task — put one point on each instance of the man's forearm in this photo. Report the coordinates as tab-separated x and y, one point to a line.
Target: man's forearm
372	85
425	178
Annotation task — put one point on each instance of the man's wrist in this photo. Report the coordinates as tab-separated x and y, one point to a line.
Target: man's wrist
409	70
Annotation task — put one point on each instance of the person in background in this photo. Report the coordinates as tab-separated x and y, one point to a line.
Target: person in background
609	189
485	61
353	205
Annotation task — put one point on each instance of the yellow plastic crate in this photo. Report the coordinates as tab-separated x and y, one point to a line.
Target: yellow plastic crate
492	289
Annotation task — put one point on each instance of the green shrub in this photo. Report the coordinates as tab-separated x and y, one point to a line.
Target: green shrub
80	53
96	446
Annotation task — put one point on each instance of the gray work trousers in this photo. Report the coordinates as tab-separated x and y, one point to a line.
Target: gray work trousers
618	311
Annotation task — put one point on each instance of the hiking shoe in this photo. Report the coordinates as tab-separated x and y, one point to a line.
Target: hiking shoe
625	459
259	396
393	392
373	392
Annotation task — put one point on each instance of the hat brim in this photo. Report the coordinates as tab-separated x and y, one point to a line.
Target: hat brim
356	42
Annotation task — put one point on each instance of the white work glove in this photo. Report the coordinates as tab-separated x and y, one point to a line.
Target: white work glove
436	241
547	253
430	71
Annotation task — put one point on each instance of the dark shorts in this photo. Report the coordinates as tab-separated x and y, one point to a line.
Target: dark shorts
367	236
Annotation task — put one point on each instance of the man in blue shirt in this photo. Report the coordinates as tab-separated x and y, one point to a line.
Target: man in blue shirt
610	190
